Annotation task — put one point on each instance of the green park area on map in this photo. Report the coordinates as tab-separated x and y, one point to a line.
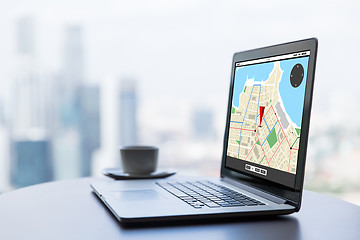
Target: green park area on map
272	140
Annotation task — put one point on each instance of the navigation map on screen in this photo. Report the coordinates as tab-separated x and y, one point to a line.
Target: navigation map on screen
266	114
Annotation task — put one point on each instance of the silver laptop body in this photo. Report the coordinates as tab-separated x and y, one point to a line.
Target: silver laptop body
264	149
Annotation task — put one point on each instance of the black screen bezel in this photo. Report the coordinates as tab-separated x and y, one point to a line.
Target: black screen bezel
293	195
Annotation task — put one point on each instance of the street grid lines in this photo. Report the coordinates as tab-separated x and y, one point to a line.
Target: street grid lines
274	142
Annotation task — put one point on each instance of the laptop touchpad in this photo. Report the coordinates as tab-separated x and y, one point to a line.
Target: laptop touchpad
136	195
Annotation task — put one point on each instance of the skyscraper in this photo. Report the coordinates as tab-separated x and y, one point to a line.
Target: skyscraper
66	149
128	130
89	119
78	111
31	162
27	112
30	144
73	57
72	76
32	92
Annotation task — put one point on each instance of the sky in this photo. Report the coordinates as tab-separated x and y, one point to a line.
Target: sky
180	52
178	46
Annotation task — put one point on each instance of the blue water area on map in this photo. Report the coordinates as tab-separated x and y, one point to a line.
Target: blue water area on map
260	72
293	98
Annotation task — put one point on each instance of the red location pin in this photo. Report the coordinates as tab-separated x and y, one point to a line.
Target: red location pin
262	108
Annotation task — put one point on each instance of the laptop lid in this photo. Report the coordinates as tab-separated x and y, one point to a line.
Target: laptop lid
268	118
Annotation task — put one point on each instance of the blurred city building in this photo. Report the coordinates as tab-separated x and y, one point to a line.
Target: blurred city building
67	154
71	77
29	90
73	62
63	107
78	104
128	128
30	144
32	161
89	125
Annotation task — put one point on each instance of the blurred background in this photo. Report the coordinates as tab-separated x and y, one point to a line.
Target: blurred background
80	78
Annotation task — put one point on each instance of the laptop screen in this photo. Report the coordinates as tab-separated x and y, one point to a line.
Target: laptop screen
266	117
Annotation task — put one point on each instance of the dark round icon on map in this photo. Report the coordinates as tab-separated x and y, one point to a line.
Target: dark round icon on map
296	75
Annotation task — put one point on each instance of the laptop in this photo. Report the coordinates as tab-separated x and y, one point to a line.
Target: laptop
264	148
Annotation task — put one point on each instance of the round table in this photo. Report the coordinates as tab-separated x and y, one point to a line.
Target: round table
70	210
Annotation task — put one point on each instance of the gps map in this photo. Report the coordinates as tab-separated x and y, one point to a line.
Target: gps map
266	114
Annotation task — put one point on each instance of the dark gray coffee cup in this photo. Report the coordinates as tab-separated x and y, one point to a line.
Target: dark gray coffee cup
139	159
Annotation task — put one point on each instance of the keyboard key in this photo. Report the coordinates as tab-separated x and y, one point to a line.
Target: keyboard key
237	204
212	204
225	205
251	204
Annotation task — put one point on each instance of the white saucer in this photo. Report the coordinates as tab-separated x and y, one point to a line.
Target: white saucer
118	174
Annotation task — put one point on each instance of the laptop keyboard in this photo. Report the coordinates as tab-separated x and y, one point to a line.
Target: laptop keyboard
201	194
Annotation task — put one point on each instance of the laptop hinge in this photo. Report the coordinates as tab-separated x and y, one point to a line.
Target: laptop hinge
255	191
